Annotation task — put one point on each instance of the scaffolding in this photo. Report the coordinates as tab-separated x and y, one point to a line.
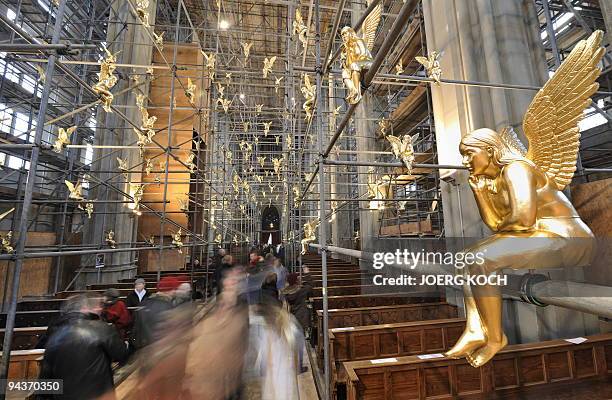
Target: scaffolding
230	140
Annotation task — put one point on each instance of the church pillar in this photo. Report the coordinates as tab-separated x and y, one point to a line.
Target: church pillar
133	45
498	42
341	224
606	11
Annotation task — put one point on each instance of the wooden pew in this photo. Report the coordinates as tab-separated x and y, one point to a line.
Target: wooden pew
358	280
24	319
370	300
40	304
390	340
524	371
25	364
355	317
25	338
347	290
350	275
99	292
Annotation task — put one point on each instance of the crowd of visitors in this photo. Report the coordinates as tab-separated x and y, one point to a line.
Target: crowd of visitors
248	339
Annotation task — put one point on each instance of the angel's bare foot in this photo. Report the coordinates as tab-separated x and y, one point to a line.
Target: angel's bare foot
468	342
482	355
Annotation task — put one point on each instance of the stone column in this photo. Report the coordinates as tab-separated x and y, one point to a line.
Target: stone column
341	226
606	11
488	41
135	47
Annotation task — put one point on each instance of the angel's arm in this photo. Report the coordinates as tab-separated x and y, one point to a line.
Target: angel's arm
520	181
488	212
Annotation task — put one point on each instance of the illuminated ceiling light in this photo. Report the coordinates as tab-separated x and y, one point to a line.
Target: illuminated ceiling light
242	96
224	25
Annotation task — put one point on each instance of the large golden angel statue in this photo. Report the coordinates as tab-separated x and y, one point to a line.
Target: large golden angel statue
356	53
519	196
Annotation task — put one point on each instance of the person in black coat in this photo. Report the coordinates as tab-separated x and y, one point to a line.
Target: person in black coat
154	312
80	351
297	294
140	293
227	263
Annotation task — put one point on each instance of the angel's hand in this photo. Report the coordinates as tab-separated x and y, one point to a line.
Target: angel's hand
477	183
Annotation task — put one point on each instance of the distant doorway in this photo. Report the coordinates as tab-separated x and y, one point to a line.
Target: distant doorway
270	226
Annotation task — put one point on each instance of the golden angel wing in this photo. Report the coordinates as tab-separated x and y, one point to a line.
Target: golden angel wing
551	121
6	213
423	60
370	25
397	143
307	84
69	185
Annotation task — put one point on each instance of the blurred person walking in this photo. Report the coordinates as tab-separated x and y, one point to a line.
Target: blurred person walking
216	353
296	295
115	312
227	263
80	351
277	338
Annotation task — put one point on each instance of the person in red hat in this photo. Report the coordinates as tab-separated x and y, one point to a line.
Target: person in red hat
155	308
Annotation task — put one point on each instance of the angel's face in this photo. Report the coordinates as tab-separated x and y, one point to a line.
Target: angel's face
476	159
346	34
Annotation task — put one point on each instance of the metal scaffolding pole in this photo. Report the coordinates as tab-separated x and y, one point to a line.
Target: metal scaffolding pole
322	201
28	194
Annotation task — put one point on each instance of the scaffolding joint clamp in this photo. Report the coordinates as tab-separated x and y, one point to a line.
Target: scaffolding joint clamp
526	288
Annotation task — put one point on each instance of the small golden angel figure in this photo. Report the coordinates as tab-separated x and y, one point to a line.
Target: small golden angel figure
76	190
277	83
211	61
42	77
308	91
190	91
190	162
110	239
278	165
177	240
399	68
300	28
63	138
148	166
141	11
159	40
225	103
122	166
356	53
183	204
519	196
246	50
106	80
7	247
261	160
267	126
220	90
89	209
268	65
383	125
403	149
309	234
432	66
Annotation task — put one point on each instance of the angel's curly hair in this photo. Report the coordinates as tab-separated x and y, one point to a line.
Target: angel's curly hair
506	145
